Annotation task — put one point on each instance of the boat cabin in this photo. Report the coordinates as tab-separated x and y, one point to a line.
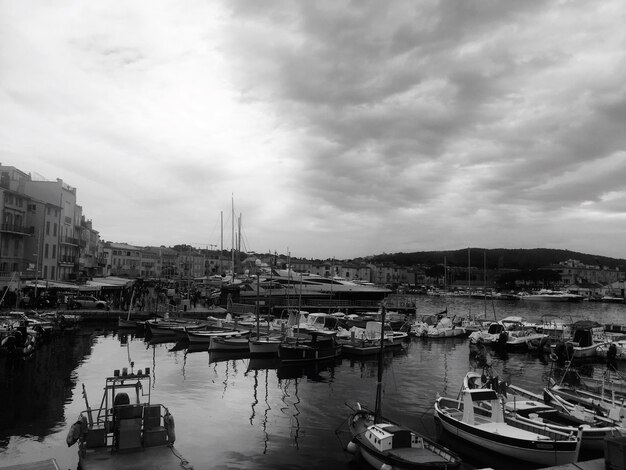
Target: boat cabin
472	401
385	436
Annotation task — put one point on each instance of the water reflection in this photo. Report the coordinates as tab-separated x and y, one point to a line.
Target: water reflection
260	414
33	391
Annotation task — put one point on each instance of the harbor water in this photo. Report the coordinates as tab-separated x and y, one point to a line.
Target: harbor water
233	412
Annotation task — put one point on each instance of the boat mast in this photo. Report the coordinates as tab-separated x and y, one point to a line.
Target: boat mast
232	236
221	240
258	301
379	382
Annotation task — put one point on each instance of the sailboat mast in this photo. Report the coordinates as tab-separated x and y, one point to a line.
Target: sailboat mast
221	240
258	301
379	382
232	236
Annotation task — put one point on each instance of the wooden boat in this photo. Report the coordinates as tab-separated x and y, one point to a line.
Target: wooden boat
265	345
204	336
573	398
529	407
230	342
127	428
478	418
178	328
385	444
319	346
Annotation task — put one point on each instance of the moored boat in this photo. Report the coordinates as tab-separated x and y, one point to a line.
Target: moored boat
385	444
318	346
478	418
127	428
528	407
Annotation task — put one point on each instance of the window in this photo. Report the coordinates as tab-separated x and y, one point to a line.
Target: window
45	272
45	251
54	251
54	230
52	269
48	228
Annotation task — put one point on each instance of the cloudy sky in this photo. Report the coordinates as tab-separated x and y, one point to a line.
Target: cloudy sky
334	128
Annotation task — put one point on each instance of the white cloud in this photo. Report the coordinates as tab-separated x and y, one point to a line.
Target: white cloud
341	128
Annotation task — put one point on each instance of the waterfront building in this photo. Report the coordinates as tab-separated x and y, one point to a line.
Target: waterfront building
575	272
44	244
125	259
14	228
70	230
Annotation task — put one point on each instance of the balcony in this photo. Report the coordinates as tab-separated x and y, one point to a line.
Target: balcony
17	229
69	240
68	260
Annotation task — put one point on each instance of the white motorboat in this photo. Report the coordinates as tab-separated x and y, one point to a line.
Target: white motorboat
547	295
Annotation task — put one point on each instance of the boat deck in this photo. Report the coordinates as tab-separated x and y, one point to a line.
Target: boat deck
417	455
49	464
152	458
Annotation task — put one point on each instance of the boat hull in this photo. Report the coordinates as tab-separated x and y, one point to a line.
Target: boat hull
229	343
264	347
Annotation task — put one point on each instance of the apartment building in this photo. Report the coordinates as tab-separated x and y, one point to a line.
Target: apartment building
69	229
14	227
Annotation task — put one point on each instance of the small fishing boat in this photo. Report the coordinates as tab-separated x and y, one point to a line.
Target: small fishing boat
236	341
609	405
127	428
316	346
265	345
204	336
587	337
478	417
530	408
176	328
386	444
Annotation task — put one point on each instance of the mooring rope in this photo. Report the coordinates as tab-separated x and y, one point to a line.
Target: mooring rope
184	463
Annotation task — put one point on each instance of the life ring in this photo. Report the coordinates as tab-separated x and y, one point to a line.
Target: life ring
553	357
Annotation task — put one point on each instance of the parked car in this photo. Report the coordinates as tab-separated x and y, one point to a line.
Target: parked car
88	302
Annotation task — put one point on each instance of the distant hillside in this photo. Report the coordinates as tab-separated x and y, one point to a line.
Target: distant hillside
498	258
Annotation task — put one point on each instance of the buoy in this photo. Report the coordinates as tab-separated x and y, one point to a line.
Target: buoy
352	447
170	427
386	466
74	433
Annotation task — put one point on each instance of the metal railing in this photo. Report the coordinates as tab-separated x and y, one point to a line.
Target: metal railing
17	229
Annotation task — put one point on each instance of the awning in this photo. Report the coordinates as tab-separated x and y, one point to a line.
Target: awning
52	285
111	281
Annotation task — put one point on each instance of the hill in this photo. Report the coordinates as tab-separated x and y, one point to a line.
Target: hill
503	258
